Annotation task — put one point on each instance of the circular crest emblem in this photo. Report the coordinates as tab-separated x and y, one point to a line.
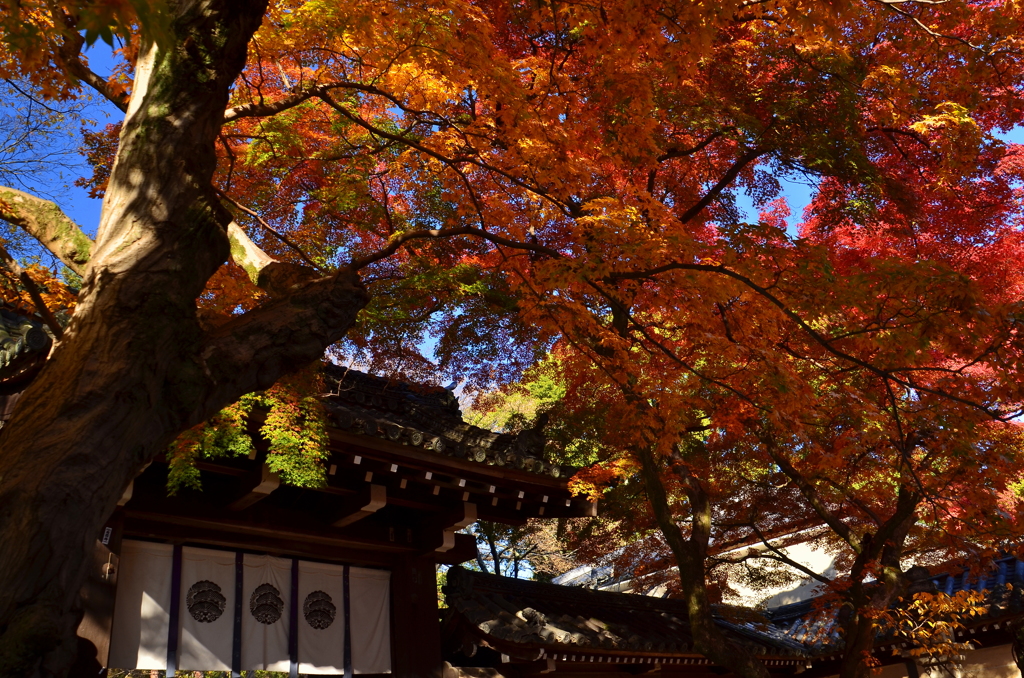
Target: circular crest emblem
205	602
319	610
266	604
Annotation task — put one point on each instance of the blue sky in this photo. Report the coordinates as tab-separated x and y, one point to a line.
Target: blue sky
798	194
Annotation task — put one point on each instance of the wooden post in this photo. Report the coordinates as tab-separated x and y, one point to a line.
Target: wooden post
97	599
416	629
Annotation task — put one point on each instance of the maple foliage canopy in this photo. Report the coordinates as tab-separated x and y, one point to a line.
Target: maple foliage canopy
515	178
598	151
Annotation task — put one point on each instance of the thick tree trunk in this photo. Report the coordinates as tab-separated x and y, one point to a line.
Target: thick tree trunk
871	599
881	553
691	555
135	367
860	629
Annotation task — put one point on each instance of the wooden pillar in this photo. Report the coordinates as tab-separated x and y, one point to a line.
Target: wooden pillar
416	628
97	600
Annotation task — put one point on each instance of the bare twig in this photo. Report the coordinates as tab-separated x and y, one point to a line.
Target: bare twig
894	6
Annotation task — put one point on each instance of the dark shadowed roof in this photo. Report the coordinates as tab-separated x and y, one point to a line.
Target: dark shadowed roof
529	619
428	417
24	344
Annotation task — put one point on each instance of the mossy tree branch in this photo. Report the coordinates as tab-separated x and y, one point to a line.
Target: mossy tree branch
47	223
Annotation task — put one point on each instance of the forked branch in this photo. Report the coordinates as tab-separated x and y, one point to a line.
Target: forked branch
810	493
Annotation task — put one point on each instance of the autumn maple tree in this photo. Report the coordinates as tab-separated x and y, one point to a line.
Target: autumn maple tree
505	177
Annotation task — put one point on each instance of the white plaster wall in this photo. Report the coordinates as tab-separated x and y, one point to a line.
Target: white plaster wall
808	554
890	671
987	662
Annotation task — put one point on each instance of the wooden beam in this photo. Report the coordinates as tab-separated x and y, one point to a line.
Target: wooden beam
467	516
447	542
426	460
368	504
464	549
284	538
256	487
416	635
464	518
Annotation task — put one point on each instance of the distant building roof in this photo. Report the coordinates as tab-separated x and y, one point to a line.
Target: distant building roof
819	632
528	620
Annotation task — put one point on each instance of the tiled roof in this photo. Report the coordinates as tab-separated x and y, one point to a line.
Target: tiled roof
428	417
511	613
819	631
24	343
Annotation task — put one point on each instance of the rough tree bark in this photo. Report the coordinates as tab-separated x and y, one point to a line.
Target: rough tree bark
136	366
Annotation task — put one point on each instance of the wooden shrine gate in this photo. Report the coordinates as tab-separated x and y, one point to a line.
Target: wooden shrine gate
176	581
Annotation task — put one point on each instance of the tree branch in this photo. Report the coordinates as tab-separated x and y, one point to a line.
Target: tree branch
246	253
33	291
269	229
781	557
690	554
894	6
450	162
70	57
817	337
676	151
811	495
262	109
403	238
44	221
723	183
251	351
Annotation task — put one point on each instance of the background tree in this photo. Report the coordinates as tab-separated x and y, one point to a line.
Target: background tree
536	550
884	472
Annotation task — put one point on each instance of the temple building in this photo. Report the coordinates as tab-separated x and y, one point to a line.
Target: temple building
251	574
